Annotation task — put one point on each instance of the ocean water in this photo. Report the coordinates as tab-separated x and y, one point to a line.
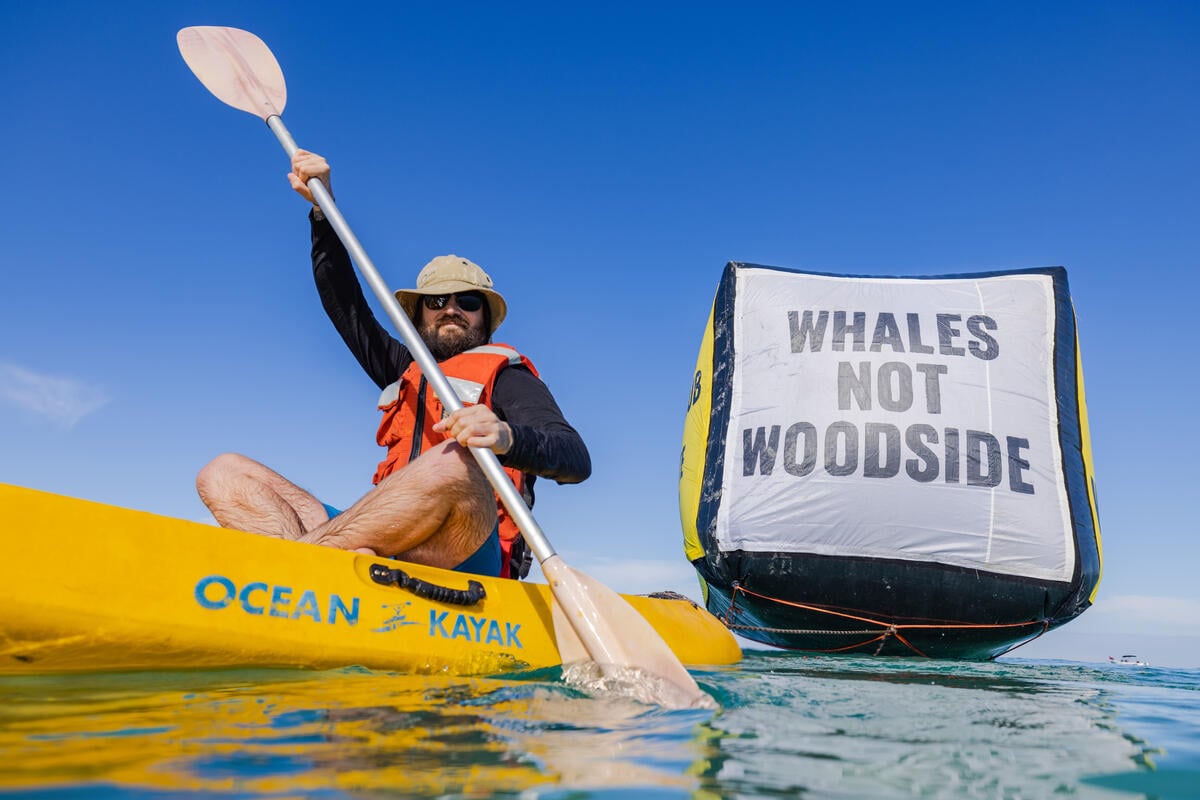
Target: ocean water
789	725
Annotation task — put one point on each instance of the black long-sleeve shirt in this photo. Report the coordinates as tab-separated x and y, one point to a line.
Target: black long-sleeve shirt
544	443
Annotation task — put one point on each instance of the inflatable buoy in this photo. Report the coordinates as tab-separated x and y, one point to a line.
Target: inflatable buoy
897	466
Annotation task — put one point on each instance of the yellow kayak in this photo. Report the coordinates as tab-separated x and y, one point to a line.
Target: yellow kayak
86	587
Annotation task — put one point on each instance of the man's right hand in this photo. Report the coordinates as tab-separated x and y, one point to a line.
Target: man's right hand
306	165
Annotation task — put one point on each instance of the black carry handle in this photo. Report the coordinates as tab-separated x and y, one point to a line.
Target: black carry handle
387	576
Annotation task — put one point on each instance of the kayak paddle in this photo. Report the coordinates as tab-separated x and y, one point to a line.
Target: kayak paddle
240	70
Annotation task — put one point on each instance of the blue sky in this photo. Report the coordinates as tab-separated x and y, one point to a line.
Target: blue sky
603	163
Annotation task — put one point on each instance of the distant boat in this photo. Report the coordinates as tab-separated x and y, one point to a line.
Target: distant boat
1129	661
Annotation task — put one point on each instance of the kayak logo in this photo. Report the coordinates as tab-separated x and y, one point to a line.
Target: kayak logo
398	619
257	598
261	599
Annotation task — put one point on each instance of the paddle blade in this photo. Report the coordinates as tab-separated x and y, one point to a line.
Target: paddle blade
236	66
595	623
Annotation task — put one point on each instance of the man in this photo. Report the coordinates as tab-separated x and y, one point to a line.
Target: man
431	503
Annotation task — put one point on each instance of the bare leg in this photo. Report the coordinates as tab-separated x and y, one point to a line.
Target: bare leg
243	494
437	510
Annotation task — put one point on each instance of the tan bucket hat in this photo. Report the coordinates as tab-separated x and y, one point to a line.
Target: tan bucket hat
451	274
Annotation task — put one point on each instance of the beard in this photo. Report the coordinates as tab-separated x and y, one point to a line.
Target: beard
448	337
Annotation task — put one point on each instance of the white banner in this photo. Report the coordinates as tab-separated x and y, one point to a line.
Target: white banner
897	418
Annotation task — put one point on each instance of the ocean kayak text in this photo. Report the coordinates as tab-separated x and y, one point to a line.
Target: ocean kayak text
216	592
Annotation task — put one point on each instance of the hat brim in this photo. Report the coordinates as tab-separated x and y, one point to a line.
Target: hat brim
409	298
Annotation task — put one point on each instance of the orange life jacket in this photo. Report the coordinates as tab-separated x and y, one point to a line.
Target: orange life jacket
410	408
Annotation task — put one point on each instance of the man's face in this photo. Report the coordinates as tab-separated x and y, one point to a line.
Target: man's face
449	330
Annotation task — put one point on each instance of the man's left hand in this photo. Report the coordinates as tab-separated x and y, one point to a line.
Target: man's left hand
477	426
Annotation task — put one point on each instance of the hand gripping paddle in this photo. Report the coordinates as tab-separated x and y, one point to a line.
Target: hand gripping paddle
239	69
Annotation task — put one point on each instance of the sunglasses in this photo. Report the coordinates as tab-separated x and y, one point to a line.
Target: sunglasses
467	301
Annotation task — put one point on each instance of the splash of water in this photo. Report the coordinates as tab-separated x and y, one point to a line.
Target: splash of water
608	680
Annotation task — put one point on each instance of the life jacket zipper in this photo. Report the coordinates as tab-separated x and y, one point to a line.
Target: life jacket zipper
419	428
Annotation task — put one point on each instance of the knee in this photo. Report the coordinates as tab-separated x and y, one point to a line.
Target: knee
450	462
445	470
462	481
221	471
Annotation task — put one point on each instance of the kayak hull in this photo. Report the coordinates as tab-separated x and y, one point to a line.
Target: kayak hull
87	587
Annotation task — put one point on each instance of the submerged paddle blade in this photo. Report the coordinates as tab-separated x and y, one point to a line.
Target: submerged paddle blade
236	66
591	621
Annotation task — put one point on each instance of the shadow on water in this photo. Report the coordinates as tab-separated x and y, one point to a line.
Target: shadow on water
790	726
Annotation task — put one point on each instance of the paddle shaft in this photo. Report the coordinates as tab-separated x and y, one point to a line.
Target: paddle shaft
486	459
